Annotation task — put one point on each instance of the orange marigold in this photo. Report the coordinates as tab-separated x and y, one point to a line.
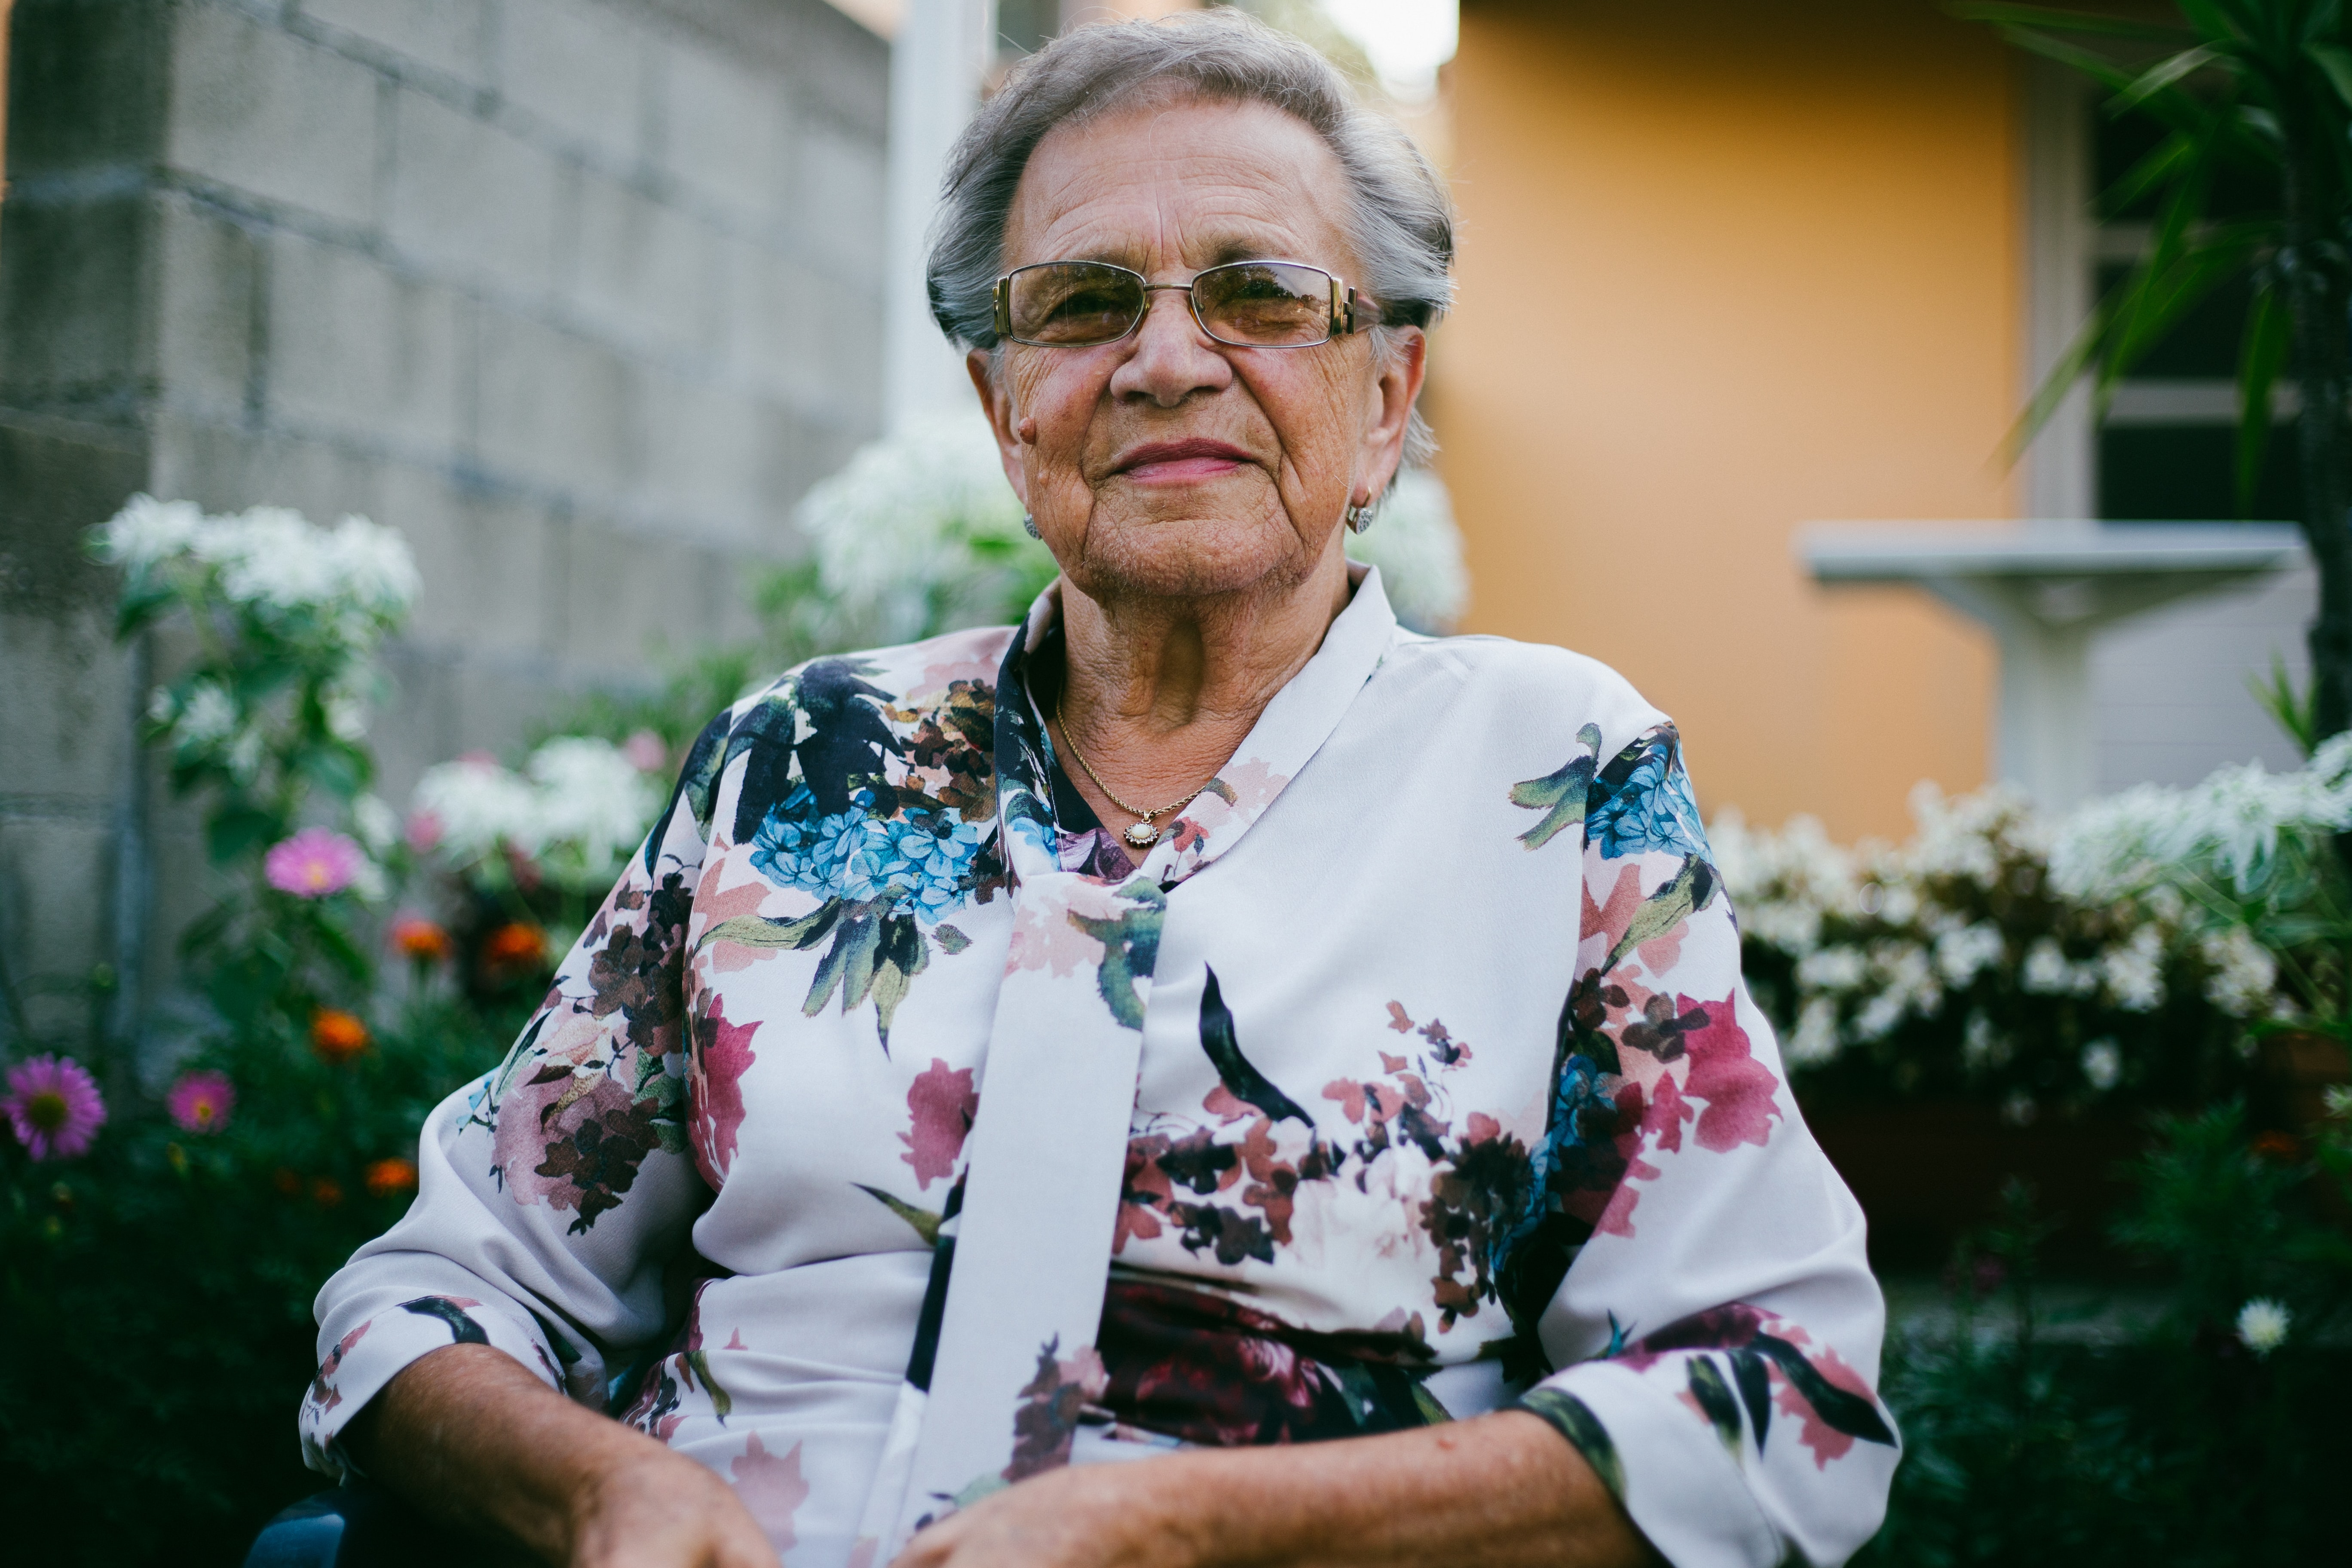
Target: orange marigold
326	1192
2282	1147
514	946
336	1034
386	1177
413	936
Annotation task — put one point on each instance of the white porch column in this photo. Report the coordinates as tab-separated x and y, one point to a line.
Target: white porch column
939	55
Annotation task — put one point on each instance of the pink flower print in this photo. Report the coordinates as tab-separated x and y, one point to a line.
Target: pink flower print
54	1107
721	1056
942	1102
312	864
201	1102
771	1488
1737	1088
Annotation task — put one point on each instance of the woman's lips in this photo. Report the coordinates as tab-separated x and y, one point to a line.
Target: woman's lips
1181	462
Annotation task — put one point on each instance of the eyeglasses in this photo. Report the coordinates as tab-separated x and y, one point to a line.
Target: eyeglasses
1248	304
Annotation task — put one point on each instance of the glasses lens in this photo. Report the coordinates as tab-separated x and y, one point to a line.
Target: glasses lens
1075	304
1265	304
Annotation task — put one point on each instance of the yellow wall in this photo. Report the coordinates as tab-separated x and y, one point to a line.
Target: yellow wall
1727	267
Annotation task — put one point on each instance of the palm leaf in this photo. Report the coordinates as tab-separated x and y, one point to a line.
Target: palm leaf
2260	354
2069	21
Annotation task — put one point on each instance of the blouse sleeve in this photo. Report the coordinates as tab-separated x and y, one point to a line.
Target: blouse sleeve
1717	1326
550	1193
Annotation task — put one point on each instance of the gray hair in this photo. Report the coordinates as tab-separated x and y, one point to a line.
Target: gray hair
1403	227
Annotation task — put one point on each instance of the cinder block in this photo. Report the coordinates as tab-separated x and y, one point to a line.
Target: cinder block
470	199
271	114
581	67
837	199
73	326
703	458
209	271
357	348
66	707
726	130
643	267
451	36
630	598
772	308
225	467
555	410
85	86
55	907
57	478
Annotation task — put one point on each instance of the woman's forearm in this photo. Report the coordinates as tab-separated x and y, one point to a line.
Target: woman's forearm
1495	1492
469	1436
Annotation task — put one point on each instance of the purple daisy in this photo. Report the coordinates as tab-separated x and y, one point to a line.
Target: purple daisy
54	1107
201	1102
312	864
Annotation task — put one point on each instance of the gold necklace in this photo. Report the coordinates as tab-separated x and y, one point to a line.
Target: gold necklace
1141	835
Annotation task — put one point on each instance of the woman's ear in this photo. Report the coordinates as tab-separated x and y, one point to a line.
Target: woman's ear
1397	378
996	401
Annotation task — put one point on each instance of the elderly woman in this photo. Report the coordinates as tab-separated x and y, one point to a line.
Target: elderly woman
1207	1026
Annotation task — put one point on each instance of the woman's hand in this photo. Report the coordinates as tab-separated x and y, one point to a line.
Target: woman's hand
1096	1516
660	1510
471	1437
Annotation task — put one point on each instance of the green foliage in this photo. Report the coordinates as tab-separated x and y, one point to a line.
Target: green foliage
2093	1437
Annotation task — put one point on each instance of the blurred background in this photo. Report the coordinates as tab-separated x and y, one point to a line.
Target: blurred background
610	311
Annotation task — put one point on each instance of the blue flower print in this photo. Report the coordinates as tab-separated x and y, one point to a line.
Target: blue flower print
921	861
1650	806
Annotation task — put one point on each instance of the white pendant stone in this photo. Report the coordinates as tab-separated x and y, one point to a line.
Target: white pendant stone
1142	836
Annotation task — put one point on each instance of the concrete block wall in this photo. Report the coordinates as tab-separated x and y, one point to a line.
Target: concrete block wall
580	295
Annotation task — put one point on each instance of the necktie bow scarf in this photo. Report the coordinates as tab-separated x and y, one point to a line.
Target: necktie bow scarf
1004	1358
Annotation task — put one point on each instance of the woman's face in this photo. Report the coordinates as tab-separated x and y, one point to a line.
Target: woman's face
1168	464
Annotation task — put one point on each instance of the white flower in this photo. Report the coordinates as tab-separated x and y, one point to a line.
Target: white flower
147	530
2227	829
1414	542
478	806
1898	903
2244	973
1964	952
1983	1045
2134	972
2337	1097
2103	1065
346	717
1832	969
274	557
377	822
591	800
1815	1039
245	756
2046	972
2262	1324
2019	1109
578	809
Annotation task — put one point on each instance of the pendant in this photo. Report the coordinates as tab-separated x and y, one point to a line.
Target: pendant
1142	836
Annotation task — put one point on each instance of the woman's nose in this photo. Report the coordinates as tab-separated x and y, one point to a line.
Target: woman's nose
1173	358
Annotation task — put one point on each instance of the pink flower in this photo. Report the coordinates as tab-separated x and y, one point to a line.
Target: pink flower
645	752
201	1102
424	832
312	864
54	1107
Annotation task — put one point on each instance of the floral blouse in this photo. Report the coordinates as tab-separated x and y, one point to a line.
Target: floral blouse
894	1131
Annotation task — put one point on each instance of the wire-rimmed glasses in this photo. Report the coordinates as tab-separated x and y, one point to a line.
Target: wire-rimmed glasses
1247	304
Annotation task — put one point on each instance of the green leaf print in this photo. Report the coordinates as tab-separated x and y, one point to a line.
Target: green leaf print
1715	1399
1692	890
1576	1422
925	1222
1559	796
1130	948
